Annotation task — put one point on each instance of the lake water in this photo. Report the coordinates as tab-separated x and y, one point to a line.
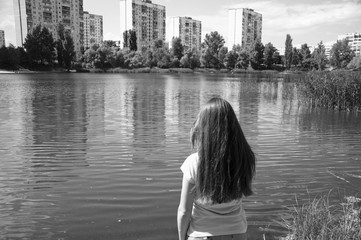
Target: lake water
97	156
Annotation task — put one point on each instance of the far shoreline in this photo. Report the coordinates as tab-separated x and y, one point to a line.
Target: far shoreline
150	70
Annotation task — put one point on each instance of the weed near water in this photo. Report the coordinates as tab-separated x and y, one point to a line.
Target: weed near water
320	220
339	90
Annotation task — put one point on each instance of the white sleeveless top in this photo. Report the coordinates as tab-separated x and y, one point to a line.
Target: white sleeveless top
213	219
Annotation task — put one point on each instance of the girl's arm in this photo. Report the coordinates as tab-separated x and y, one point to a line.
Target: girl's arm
185	209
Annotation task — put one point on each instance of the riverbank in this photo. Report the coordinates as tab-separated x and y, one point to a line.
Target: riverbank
149	70
6	71
175	70
320	219
160	70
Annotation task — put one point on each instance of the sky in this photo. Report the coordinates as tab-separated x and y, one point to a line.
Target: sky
307	21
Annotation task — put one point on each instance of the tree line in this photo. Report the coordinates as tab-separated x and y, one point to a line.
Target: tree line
341	56
40	49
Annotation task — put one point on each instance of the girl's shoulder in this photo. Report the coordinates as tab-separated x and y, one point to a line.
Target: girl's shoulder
189	167
192	160
193	157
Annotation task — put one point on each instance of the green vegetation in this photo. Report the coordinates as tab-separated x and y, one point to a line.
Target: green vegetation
211	47
65	48
355	63
42	52
319	219
339	90
319	57
288	51
40	46
256	55
341	54
10	57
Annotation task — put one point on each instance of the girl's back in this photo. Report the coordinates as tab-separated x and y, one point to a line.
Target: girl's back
216	177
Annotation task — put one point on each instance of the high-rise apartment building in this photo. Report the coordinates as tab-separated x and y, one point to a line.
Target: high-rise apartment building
244	27
2	38
93	29
49	13
354	41
145	18
328	47
187	29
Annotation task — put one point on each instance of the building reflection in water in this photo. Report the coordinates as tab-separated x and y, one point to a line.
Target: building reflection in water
58	116
149	133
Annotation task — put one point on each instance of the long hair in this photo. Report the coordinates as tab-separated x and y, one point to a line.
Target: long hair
226	161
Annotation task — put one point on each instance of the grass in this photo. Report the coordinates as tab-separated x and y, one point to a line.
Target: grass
338	90
320	220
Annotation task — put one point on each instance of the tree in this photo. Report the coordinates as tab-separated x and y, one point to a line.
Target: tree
296	57
118	60
230	59
221	56
149	59
355	63
158	55
9	57
268	54
288	51
23	57
132	40
341	54
110	43
243	60
305	56
59	43
276	57
134	60
319	56
40	45
163	58
161	54
256	54
100	56
237	48
68	51
212	44
126	39
177	48
64	47
190	59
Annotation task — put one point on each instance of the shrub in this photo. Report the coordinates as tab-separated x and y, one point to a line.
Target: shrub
355	63
321	220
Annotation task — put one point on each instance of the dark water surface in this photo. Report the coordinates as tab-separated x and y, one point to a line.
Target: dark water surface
97	156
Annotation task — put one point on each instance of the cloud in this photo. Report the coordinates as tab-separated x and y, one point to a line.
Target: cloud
111	36
7	21
281	16
212	23
7	24
298	19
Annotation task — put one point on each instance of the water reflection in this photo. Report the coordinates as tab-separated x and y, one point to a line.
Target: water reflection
98	155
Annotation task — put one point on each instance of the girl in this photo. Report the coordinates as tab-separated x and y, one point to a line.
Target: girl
216	177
